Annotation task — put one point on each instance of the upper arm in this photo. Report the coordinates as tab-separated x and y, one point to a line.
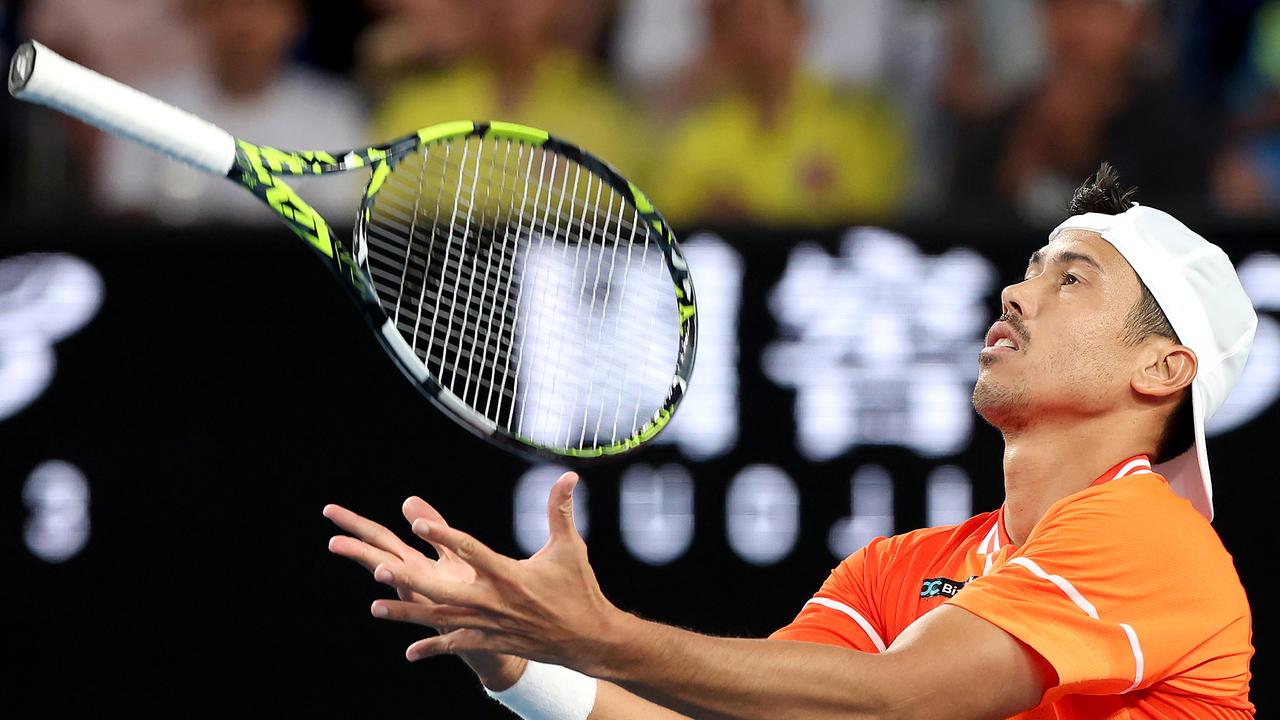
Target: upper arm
951	663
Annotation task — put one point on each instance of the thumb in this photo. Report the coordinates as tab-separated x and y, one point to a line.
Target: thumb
560	508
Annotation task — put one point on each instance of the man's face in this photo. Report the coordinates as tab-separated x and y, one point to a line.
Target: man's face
760	34
242	65
1058	351
519	24
1099	36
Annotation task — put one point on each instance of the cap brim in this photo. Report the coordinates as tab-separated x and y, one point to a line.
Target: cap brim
1188	473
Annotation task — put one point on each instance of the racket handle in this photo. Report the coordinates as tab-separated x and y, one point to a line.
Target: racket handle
40	75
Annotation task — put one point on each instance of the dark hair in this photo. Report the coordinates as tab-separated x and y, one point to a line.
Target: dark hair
1103	193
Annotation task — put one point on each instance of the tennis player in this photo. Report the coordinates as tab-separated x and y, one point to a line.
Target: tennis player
1097	590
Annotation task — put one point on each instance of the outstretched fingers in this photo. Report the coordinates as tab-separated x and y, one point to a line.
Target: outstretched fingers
366	555
369	531
454	642
414	509
434	615
465	547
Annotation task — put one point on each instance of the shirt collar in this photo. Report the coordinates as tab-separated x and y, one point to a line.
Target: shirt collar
998	537
1136	465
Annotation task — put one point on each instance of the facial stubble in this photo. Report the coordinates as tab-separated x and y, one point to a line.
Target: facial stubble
1005	407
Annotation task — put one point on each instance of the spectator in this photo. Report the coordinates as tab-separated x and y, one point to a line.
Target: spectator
253	90
996	54
519	68
772	143
1103	96
848	41
128	40
1246	179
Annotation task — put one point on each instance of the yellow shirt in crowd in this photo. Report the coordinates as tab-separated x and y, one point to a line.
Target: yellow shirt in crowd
829	158
565	98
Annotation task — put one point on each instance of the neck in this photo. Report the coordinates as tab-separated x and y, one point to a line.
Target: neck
1044	463
768	88
242	82
515	69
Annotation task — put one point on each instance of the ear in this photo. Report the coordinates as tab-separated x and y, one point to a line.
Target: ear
1166	369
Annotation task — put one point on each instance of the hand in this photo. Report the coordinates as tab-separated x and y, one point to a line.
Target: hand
547	608
373	544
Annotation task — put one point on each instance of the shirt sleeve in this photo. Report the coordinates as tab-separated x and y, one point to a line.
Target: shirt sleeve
1115	594
843	611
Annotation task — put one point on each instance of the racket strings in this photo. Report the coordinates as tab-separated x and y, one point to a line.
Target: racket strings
570	217
499	305
456	269
528	287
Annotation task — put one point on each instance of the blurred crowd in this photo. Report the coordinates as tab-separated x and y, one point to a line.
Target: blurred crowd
775	112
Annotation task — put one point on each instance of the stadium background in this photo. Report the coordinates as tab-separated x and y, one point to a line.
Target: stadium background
178	399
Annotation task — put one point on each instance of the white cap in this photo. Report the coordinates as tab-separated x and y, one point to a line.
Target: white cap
1196	286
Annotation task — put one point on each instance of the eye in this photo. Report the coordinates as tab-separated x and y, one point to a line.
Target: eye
1068	278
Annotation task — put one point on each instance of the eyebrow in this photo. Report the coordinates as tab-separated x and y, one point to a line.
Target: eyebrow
1065	256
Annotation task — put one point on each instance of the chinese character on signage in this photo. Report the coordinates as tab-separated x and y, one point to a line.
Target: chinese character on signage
880	343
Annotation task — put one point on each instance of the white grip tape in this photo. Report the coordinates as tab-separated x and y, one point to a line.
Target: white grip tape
117	108
549	692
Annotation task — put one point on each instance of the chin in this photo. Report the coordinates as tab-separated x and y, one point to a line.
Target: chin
1003	406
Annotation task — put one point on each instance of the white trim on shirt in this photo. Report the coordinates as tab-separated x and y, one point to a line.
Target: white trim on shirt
857	617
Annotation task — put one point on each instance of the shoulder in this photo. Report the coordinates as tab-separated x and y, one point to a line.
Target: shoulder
575	74
1135	527
723	113
1130	509
1122	585
863	106
466	76
927	544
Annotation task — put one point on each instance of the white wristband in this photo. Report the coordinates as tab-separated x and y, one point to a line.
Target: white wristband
549	692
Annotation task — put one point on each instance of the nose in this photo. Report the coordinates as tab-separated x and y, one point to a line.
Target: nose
1018	299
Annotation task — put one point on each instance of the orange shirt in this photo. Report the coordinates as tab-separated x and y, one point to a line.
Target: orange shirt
1123	587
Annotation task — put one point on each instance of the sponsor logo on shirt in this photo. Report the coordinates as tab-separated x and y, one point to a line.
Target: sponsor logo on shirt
943	587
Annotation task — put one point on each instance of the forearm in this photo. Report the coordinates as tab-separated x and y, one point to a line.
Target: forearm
742	679
616	703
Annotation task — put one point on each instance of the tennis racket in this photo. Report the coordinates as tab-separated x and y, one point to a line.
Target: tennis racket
522	284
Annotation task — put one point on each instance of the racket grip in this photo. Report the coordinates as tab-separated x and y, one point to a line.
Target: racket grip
40	75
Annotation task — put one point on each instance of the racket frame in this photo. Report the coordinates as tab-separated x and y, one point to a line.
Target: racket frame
117	108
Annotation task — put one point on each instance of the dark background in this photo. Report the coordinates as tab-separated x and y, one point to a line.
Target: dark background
226	390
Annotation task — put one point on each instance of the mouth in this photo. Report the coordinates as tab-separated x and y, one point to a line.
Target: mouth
1001	339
